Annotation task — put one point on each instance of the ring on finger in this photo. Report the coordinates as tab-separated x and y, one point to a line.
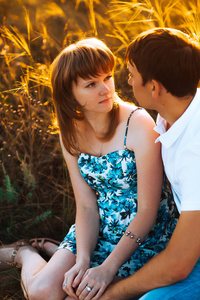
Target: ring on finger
64	284
88	288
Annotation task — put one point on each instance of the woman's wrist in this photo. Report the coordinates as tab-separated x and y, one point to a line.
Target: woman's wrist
111	268
83	260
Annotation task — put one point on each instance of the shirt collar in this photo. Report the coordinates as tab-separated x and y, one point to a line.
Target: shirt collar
167	138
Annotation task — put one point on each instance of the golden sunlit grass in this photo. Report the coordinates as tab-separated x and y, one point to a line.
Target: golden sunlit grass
35	192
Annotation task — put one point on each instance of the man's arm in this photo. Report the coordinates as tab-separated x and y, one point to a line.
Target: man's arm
170	266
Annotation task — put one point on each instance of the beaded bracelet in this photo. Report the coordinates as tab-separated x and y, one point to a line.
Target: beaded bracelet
129	233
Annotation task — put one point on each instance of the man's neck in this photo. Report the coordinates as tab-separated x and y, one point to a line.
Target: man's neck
172	108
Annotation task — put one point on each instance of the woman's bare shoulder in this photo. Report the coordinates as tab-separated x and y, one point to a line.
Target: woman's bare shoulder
140	115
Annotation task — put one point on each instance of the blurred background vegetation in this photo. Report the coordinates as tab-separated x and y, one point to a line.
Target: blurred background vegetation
36	198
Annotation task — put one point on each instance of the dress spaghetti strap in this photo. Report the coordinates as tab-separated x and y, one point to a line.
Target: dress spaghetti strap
126	131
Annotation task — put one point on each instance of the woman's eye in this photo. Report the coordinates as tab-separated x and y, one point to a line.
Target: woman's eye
108	77
90	85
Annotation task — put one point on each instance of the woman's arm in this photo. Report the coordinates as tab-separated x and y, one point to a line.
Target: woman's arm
141	139
168	267
87	222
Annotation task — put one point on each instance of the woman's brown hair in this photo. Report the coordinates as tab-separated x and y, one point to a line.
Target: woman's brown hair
83	59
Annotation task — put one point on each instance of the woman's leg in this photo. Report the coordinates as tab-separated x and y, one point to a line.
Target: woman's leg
45	245
42	280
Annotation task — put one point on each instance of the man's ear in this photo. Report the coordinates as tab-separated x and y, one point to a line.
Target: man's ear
156	88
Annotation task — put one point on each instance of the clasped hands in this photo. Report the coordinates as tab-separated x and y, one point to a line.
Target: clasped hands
84	283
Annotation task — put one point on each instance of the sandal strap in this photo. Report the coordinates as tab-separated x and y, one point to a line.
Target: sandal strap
17	245
14	253
39	243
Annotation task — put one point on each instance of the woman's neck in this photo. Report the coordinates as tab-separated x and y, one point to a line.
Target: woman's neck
98	123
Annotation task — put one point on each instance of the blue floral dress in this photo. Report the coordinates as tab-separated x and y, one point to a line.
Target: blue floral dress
114	178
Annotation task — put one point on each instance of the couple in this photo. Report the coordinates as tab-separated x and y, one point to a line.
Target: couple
127	243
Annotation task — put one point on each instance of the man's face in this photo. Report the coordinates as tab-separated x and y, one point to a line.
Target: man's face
141	92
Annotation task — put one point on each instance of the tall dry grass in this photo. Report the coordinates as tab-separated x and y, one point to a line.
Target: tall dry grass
36	198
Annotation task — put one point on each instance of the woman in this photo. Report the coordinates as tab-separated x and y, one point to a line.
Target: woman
116	173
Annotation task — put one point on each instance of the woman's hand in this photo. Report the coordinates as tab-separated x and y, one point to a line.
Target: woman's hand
94	283
73	277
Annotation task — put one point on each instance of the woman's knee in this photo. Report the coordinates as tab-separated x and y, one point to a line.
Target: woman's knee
43	290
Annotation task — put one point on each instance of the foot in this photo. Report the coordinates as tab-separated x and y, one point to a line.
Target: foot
9	254
45	245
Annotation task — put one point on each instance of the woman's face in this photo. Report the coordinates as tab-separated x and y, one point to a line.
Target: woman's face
95	94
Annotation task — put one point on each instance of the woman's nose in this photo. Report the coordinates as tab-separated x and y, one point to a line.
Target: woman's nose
104	89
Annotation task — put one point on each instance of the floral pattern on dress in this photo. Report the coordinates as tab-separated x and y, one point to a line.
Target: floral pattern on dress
114	178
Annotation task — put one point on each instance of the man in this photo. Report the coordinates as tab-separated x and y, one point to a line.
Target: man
164	66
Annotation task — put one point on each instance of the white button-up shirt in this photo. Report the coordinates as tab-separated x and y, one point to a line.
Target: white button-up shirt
181	155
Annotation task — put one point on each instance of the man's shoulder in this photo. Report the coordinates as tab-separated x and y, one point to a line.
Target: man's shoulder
194	123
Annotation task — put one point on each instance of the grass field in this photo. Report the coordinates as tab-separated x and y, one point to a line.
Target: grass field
36	198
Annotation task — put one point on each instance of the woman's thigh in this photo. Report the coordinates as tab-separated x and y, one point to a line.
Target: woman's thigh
49	280
62	261
188	288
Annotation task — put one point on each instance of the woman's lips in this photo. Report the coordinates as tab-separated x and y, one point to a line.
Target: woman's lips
105	100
